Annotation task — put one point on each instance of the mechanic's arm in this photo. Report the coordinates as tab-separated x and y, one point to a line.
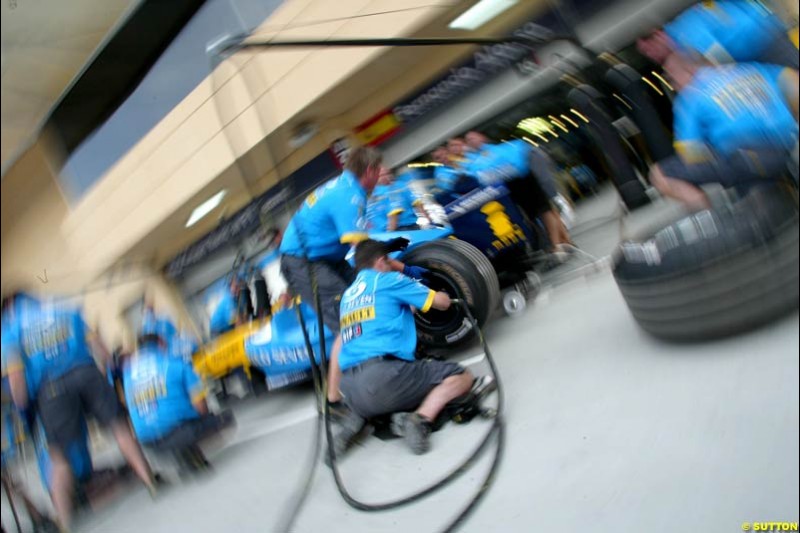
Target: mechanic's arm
196	389
396	265
13	368
441	301
391	221
98	348
19	387
788	82
201	406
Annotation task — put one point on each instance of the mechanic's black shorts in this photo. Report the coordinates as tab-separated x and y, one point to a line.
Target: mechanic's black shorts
388	385
63	403
333	278
192	432
743	169
529	196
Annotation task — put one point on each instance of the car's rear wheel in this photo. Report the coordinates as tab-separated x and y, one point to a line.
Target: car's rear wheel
462	271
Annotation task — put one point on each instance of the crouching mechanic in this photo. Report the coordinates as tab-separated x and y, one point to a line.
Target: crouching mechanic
379	373
167	400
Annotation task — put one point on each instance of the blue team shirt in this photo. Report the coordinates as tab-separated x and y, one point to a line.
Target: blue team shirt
397	198
445	178
376	317
45	340
497	163
378	208
159	390
329	221
733	107
402	201
224	314
183	347
742	29
160	325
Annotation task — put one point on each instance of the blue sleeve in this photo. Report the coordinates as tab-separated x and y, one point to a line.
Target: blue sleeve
408	291
348	217
688	113
223	315
691	30
194	385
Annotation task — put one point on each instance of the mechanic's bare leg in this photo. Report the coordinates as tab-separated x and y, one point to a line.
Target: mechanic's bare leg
556	231
334	372
447	391
677	189
61	487
133	453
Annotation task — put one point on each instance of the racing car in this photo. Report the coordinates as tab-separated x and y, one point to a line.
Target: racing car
486	246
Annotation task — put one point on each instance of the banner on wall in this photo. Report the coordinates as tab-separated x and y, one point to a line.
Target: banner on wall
378	129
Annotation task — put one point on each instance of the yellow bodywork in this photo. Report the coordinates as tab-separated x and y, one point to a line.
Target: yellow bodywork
225	354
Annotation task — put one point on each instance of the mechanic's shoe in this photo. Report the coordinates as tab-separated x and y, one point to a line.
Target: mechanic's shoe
398	423
344	430
482	386
337	411
414	429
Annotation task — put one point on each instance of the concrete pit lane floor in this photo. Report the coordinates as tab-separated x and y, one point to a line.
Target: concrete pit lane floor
607	430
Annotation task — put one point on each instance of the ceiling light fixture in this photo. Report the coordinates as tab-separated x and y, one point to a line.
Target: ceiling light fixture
481	13
205	208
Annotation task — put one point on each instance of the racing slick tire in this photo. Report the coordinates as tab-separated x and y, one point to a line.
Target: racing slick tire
715	272
462	271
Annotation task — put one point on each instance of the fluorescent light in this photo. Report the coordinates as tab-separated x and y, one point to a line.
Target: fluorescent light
205	208
423	165
480	14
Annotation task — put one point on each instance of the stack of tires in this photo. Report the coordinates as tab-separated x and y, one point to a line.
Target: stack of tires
715	272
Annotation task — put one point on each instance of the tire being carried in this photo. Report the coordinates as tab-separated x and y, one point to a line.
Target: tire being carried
461	270
715	272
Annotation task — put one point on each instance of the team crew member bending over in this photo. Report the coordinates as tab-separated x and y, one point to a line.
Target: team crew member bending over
727	31
47	355
329	222
165	398
734	125
516	165
380	374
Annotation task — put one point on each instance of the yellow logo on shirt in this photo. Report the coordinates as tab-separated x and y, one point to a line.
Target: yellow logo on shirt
359	315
